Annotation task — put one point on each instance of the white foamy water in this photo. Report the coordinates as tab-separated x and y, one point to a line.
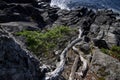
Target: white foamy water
96	4
60	3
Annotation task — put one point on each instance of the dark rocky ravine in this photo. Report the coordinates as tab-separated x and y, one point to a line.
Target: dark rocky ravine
17	63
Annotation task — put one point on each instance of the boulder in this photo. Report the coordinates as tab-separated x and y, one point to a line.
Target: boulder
103	67
101	44
105	17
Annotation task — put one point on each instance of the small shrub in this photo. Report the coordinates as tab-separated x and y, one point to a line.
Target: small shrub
46	42
106	51
114	51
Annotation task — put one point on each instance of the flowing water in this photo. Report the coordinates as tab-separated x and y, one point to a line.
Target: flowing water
95	4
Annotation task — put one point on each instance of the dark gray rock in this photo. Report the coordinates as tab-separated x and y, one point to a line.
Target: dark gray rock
20	1
105	17
117	34
104	67
12	17
3	5
26	13
94	29
44	0
81	17
16	63
85	48
101	43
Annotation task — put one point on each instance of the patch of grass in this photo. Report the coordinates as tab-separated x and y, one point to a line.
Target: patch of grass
45	42
114	51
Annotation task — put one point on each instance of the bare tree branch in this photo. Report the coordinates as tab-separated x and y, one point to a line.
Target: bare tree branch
80	33
54	75
85	62
85	65
74	68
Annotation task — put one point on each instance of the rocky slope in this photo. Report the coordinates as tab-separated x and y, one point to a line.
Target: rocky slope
16	15
16	63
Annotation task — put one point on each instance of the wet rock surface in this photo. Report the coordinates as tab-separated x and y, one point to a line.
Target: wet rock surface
17	15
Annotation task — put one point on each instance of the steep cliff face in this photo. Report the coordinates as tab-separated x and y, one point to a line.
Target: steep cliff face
17	63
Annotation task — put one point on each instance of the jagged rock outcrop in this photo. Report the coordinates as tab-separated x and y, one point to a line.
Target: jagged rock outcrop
16	63
17	15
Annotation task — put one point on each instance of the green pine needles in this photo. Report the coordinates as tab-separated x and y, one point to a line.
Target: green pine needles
47	41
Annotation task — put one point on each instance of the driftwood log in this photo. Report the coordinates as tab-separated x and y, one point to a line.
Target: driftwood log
83	60
54	75
74	68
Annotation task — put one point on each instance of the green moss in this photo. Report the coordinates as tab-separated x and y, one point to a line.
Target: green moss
114	51
47	41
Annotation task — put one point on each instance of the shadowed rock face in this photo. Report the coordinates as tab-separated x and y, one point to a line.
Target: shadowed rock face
20	1
15	62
